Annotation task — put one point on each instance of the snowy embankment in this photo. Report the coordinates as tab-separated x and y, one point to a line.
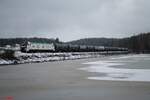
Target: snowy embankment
46	57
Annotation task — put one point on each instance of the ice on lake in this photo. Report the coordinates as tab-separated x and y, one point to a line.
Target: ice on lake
123	72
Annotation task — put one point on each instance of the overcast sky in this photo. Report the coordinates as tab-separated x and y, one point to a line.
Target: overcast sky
73	19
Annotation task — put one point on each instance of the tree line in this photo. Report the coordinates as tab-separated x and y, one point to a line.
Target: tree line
136	43
13	41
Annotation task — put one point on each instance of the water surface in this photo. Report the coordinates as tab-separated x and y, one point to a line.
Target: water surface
121	68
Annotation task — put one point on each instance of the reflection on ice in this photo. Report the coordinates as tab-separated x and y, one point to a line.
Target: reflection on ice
118	74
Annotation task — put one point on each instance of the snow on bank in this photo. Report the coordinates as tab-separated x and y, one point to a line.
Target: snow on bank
6	62
45	57
118	74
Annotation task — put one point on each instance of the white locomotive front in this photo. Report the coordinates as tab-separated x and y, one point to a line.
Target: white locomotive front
37	47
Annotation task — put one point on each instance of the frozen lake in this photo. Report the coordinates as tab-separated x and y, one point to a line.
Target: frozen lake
61	80
121	68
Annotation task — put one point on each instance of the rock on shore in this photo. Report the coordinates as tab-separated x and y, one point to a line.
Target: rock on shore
20	58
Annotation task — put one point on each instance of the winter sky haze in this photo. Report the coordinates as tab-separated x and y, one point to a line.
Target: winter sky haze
73	19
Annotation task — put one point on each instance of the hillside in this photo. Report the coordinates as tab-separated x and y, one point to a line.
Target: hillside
94	41
139	42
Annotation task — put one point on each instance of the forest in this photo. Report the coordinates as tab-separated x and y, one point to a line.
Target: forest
13	41
136	43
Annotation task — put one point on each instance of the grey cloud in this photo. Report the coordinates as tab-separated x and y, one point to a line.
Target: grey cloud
73	19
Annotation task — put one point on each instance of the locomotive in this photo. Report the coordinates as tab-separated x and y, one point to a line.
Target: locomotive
56	47
37	47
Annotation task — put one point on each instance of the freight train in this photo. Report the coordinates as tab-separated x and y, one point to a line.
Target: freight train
55	47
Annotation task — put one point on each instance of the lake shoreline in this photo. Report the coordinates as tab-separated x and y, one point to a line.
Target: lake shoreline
21	58
63	81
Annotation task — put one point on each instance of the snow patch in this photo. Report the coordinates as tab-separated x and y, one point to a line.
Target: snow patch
117	74
45	57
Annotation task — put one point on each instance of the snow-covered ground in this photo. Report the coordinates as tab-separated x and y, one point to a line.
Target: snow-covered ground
113	73
6	62
45	57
